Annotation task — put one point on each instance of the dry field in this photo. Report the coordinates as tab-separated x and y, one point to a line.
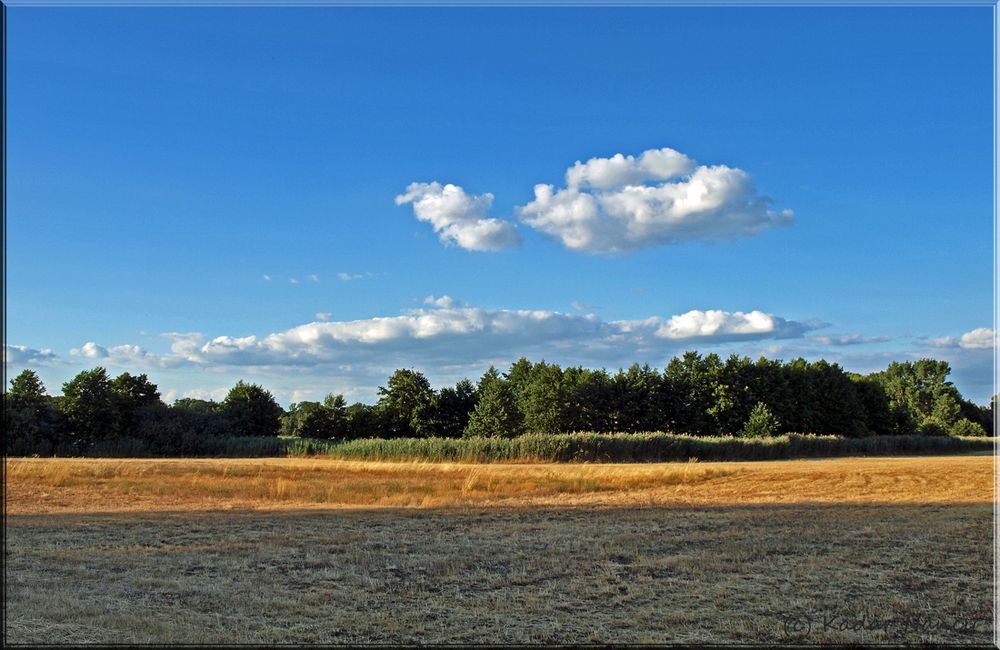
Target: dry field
847	550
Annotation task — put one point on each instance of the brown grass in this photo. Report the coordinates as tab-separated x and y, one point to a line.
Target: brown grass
672	553
108	485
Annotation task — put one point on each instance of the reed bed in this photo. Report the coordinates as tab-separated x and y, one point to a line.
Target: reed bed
561	448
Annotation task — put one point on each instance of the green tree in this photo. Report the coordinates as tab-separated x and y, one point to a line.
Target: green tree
879	419
761	423
362	421
337	419
542	400
920	395
132	394
496	414
308	420
450	409
197	405
31	421
251	410
694	388
404	405
588	400
519	375
90	408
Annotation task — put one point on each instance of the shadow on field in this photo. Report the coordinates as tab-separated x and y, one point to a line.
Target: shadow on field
663	574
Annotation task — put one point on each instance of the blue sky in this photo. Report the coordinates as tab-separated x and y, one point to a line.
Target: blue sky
819	184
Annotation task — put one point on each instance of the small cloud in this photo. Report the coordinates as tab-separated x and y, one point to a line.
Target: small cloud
312	277
584	307
293	281
719	324
459	218
444	302
21	355
90	350
120	354
323	315
267	278
981	338
849	339
350	277
211	394
185	344
940	342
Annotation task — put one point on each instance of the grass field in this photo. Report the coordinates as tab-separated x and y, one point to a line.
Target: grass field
848	550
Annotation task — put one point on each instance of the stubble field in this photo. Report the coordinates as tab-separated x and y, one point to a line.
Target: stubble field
848	550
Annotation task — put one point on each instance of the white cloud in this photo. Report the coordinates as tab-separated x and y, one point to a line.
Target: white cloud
184	343
213	394
609	205
90	350
446	335
267	278
981	338
941	342
717	323
618	170
21	355
849	339
323	315
584	307
349	277
312	277
293	281
444	301
121	355
459	218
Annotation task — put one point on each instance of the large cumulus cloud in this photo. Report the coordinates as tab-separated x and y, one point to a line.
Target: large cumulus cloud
625	203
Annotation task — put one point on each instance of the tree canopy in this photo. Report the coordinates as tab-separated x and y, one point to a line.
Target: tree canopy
698	394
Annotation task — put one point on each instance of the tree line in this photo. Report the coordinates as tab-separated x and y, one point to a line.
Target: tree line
694	394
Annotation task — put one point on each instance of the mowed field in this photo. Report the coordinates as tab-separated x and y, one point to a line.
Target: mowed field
846	550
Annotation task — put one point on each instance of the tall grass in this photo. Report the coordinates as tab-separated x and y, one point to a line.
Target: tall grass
567	447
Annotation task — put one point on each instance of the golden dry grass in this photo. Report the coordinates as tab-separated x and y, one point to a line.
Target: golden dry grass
36	485
217	551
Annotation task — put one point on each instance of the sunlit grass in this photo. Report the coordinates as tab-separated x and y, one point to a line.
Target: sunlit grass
114	484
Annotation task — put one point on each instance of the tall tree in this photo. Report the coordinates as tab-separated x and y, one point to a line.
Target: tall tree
921	390
252	410
496	414
450	409
30	419
132	394
90	407
543	400
404	405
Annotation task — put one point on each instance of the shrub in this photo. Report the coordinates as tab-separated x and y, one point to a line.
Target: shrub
761	423
967	428
933	427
